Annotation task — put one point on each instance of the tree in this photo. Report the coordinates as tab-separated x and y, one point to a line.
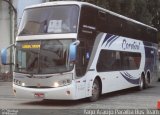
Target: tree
145	11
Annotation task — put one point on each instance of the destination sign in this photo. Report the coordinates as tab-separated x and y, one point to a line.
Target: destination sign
31	46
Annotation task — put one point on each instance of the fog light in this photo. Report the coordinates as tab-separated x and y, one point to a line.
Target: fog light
68	92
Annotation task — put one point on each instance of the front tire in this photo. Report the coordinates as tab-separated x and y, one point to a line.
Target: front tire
141	83
95	91
147	81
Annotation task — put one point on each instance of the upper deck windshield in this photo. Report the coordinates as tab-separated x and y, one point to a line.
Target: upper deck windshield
49	20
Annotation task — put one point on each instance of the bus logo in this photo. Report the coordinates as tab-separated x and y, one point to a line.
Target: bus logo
131	46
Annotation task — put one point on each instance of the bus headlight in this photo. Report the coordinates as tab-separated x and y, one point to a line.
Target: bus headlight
62	83
23	84
56	84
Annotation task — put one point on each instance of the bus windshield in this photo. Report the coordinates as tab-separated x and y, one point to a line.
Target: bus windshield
43	57
49	20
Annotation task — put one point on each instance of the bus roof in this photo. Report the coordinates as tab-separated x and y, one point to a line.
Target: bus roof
85	3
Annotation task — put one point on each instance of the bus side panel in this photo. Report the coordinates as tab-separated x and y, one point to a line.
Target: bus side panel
106	59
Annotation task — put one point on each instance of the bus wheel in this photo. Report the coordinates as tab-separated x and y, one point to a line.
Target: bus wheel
141	83
95	91
147	81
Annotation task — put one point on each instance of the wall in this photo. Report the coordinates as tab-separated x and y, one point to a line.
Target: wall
4	29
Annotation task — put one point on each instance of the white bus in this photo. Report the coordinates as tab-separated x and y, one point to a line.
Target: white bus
74	50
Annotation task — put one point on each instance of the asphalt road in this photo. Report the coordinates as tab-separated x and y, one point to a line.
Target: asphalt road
129	99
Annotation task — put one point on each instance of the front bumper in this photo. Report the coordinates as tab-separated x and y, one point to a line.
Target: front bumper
60	93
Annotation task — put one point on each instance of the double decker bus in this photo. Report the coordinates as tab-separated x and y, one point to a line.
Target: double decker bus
74	50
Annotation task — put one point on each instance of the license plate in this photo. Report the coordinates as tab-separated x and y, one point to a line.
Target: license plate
39	95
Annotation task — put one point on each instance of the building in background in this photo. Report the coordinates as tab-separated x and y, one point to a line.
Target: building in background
10	16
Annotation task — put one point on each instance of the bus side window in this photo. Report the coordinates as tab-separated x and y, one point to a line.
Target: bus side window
101	21
124	60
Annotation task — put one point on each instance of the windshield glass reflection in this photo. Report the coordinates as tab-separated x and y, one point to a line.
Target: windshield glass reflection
49	20
44	57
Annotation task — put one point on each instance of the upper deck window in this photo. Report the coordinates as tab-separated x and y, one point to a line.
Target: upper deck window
49	20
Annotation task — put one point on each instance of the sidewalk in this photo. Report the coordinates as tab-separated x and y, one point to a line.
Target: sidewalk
6	91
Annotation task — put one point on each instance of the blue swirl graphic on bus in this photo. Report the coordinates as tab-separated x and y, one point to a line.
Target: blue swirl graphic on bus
130	78
113	41
108	36
109	39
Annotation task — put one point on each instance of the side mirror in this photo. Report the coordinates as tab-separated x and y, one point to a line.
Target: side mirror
72	50
4	56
